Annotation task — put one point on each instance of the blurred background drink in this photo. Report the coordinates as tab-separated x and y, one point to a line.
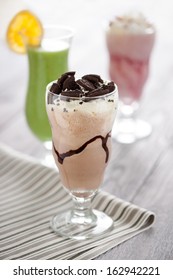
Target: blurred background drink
130	39
46	63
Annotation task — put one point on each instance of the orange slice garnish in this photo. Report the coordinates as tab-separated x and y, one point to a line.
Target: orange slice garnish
24	28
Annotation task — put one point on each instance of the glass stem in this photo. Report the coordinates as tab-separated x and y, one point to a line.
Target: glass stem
127	111
82	212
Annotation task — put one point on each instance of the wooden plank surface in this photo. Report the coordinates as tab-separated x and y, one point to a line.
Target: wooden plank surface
141	172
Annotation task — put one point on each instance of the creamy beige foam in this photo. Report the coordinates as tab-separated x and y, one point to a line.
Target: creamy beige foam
73	124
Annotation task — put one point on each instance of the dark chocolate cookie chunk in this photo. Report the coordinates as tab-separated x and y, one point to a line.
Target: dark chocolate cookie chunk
89	85
93	78
86	85
98	92
55	88
72	93
111	86
68	83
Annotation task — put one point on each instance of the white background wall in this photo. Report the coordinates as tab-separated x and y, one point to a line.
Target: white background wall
88	17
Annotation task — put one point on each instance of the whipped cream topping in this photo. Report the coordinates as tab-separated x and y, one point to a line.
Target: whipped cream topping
100	106
131	23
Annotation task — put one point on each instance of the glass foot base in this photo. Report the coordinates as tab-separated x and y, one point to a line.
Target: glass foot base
80	228
129	131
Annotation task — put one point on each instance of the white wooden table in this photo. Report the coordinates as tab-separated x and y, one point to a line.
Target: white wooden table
141	173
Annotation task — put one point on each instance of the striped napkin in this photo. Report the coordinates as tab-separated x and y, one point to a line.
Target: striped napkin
30	194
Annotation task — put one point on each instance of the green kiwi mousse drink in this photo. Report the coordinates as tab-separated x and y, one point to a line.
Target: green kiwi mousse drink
46	63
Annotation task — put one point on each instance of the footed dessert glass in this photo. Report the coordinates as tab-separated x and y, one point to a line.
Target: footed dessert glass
81	136
46	62
130	40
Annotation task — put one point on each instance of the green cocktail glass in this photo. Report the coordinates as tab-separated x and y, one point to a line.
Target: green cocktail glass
46	63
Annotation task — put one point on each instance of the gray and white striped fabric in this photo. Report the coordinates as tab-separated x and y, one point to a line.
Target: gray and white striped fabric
30	194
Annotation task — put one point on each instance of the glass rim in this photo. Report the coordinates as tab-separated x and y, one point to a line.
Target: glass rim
60	27
64	97
56	27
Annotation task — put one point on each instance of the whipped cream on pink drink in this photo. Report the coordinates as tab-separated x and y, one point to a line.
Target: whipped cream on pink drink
81	114
130	40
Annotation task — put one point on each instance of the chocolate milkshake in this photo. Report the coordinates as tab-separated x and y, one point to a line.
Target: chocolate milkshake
81	114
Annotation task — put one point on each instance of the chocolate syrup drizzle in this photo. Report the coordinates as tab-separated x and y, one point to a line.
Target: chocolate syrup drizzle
70	153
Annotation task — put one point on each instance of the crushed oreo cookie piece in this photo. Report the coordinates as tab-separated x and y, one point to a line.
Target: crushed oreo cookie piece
111	86
55	88
65	110
98	92
72	93
68	83
88	86
62	79
93	78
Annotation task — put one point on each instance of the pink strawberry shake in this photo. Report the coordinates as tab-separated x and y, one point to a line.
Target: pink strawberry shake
130	41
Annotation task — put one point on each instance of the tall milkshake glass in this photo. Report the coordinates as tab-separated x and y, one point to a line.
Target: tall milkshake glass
81	123
46	62
130	40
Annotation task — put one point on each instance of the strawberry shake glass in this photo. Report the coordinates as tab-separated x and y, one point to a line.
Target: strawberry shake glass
130	40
